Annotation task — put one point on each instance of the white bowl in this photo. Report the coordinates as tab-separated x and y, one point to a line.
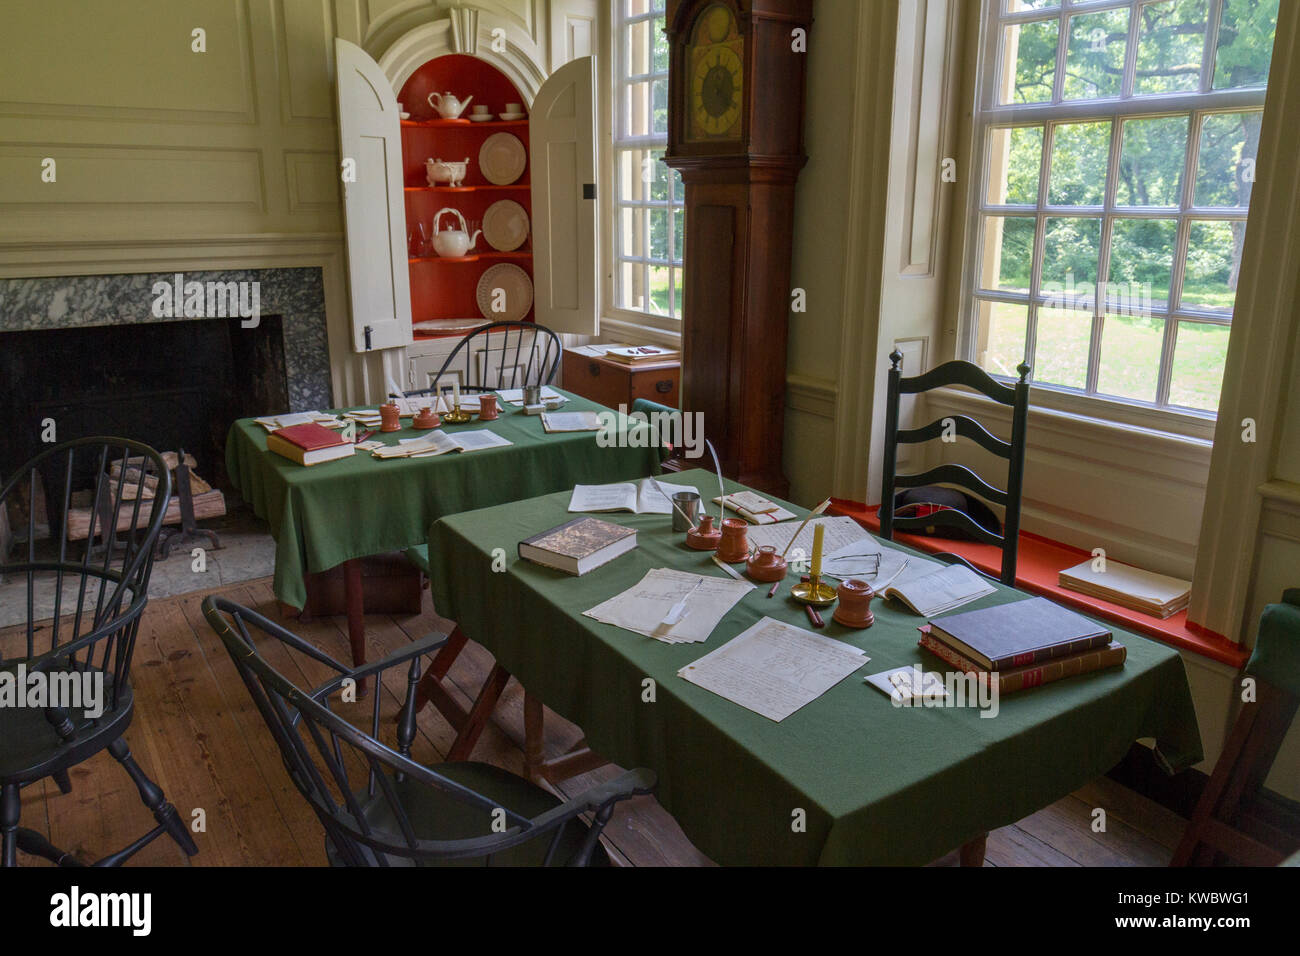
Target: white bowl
513	116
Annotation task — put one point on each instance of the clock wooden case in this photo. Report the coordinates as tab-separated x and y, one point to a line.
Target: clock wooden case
735	133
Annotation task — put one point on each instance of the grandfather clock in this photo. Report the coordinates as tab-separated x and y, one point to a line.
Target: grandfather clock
735	133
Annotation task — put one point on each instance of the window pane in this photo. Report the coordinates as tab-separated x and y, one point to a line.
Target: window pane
1028	62
1151	163
659	47
1094	63
1001	345
1080	153
1141	264
637	106
1015	157
679	233
1225	166
659	290
659	234
659	106
1016	6
1071	250
632	232
1008	252
631	290
637	48
1061	349
1213	258
1199	357
1171	42
1130	356
1245	43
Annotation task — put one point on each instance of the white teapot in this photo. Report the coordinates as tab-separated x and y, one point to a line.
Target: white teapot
448	105
453	243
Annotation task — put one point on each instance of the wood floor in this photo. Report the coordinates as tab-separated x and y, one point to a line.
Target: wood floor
197	734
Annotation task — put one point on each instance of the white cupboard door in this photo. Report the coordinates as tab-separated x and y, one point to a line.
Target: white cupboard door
562	140
374	204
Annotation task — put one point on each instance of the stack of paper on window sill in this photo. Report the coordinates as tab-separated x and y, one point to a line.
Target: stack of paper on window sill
774	668
676	607
1156	594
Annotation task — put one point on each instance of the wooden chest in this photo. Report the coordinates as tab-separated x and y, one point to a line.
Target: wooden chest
613	384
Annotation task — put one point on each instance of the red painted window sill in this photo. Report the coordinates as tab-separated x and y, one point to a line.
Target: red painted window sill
1037	564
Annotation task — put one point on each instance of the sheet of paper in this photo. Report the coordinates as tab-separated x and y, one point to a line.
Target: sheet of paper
774	668
876	562
596	350
840	531
766	517
515	396
901	684
272	422
570	422
642	607
619	496
436	442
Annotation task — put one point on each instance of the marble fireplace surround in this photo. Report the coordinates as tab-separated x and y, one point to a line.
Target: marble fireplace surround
79	301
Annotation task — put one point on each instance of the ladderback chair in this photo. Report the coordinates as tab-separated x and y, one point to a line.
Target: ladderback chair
947	374
378	806
498	355
111	493
1220	823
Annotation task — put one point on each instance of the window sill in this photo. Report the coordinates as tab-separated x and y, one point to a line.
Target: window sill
1038	563
628	329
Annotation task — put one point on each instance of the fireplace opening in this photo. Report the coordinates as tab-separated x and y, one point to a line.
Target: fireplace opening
172	385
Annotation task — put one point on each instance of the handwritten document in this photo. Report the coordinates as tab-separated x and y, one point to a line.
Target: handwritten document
774	668
840	531
643	607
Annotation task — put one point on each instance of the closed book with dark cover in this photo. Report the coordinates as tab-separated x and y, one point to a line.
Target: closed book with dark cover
1018	634
578	546
309	444
1021	678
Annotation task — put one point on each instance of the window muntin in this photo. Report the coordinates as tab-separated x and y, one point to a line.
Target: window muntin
649	217
1116	140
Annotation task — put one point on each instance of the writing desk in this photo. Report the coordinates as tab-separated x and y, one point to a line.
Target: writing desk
876	784
340	511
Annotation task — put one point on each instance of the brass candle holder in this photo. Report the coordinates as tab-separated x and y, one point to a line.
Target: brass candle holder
814	591
456	416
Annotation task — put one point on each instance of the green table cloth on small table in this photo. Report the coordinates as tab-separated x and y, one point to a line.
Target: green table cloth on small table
323	515
847	779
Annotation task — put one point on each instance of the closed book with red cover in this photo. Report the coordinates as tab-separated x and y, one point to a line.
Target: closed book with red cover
1021	678
1019	634
309	444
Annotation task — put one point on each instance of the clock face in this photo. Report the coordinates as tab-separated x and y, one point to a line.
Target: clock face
717	77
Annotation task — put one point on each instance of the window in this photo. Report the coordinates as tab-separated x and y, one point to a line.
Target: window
648	212
1115	151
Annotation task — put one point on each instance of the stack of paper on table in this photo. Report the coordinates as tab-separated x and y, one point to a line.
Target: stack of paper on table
515	396
289	419
905	684
571	422
659	595
755	508
438	442
1155	594
643	497
774	668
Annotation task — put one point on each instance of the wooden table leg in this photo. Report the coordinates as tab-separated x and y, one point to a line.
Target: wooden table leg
972	853
355	596
478	715
579	759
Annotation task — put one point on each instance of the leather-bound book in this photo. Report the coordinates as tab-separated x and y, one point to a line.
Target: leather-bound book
1022	678
1018	634
578	546
309	444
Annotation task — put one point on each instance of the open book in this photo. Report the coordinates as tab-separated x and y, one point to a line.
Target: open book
939	591
643	497
438	442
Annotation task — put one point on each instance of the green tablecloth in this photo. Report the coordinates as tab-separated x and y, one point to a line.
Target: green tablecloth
325	514
878	784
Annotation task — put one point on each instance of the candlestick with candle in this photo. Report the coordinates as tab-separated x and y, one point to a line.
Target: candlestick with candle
456	416
812	590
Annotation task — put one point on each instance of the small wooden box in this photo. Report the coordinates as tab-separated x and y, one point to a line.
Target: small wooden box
613	384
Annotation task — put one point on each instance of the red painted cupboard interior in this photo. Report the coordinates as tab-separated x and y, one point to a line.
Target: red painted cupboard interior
445	288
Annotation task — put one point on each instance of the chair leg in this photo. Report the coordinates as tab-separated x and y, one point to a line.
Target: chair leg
63	780
972	853
153	798
10	809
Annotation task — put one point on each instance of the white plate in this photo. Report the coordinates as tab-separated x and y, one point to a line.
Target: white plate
502	159
516	285
505	225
